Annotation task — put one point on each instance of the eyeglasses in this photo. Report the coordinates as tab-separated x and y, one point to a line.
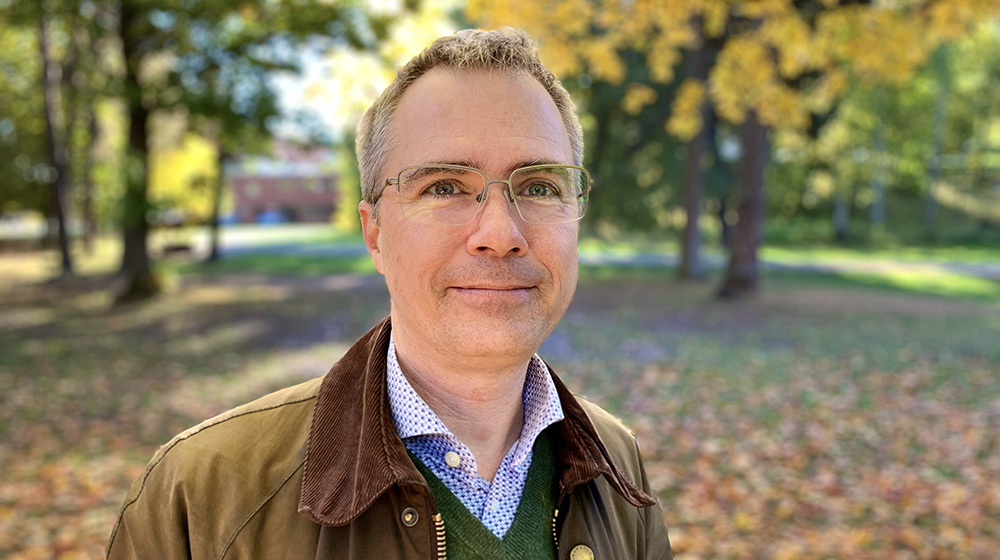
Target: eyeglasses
452	195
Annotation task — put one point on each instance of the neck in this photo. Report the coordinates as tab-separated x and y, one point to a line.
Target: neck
481	405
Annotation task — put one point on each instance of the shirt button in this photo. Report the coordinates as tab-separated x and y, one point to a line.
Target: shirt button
452	459
581	552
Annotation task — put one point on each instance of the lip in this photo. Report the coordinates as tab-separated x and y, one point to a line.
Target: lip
481	294
493	288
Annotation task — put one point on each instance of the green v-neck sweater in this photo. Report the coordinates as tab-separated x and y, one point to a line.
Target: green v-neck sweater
530	535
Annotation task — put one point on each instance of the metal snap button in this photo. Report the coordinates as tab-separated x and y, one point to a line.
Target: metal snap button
581	552
410	517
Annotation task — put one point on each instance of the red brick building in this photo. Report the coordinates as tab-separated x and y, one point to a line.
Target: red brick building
293	185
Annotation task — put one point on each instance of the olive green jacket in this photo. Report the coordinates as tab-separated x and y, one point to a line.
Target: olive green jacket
318	471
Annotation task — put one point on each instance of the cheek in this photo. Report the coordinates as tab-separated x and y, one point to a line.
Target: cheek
560	255
412	259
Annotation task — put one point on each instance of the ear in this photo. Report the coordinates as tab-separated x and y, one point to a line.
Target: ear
370	231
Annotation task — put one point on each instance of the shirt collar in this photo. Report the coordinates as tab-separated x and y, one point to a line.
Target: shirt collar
353	454
413	417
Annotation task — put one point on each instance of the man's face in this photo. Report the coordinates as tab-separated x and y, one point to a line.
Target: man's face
497	286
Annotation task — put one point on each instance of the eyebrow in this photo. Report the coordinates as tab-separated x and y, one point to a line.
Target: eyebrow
429	169
510	169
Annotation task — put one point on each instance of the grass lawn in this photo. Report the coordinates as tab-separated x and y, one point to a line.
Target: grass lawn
828	418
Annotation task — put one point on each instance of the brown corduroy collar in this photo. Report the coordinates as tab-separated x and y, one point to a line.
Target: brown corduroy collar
354	453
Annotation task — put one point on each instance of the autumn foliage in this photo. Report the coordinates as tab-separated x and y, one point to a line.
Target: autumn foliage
811	424
786	60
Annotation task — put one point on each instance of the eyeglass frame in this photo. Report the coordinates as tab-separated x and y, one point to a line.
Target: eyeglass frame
484	195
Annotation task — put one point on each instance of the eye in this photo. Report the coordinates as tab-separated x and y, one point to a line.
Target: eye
444	188
540	189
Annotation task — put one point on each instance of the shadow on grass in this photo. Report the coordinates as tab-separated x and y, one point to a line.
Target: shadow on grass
944	284
937	284
283	265
784	383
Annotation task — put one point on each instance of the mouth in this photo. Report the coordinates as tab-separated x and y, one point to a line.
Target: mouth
493	293
494	287
495	283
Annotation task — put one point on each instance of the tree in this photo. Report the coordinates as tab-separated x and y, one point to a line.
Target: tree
23	163
51	70
207	59
697	66
741	275
883	143
56	139
781	63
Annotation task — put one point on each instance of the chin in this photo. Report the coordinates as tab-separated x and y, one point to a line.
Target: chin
498	337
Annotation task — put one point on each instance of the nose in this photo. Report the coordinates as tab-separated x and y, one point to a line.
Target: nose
496	231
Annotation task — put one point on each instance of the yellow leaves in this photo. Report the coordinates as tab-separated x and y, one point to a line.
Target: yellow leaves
951	20
789	36
344	84
744	521
62	506
875	43
716	15
827	481
879	45
412	31
573	16
637	97
765	9
686	114
742	69
790	551
500	13
781	106
824	92
561	58
661	60
181	177
605	64
562	29
745	78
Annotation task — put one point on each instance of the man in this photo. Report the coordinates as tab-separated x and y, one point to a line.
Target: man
440	433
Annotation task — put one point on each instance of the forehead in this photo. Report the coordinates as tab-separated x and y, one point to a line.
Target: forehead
487	118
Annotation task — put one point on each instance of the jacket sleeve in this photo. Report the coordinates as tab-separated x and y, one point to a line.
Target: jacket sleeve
153	521
601	516
657	540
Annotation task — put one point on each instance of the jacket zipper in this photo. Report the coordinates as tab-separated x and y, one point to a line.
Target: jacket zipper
442	548
555	535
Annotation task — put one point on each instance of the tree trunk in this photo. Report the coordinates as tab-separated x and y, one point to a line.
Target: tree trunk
56	144
89	217
136	269
876	212
213	254
841	218
940	61
694	174
724	227
741	274
140	283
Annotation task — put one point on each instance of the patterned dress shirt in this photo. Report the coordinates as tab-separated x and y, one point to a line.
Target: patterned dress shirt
423	433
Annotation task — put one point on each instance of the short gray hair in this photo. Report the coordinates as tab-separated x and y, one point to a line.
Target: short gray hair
510	50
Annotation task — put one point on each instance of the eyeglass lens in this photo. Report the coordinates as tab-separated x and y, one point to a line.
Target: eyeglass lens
543	194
